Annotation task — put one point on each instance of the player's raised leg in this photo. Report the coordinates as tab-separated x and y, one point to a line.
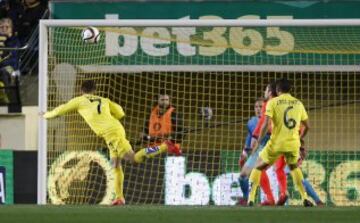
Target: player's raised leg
121	148
150	152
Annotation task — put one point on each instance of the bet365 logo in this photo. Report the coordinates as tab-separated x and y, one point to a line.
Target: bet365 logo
80	178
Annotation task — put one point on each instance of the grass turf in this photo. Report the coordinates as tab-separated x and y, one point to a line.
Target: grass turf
170	214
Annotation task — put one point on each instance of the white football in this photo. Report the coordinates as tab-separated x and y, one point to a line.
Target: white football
90	35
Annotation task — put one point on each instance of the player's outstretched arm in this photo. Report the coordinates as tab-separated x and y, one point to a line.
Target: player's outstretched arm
304	122
63	109
305	129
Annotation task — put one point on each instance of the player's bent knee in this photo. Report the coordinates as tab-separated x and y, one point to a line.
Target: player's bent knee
130	156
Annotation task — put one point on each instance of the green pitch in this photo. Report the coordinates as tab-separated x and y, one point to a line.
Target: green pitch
173	214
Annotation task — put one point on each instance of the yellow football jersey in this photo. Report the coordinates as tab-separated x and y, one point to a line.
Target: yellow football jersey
101	114
286	113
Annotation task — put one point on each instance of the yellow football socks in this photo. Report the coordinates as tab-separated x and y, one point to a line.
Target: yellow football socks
254	180
150	152
119	182
298	178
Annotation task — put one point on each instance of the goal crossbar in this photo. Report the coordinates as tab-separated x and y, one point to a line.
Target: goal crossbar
202	23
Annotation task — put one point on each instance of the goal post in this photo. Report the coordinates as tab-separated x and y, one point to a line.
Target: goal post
43	83
221	64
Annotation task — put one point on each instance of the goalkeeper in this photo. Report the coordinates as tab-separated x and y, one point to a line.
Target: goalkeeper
269	93
102	115
246	162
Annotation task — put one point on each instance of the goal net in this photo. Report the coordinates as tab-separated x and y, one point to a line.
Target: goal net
213	72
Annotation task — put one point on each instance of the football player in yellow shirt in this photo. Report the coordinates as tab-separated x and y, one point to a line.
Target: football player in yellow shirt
286	114
102	115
